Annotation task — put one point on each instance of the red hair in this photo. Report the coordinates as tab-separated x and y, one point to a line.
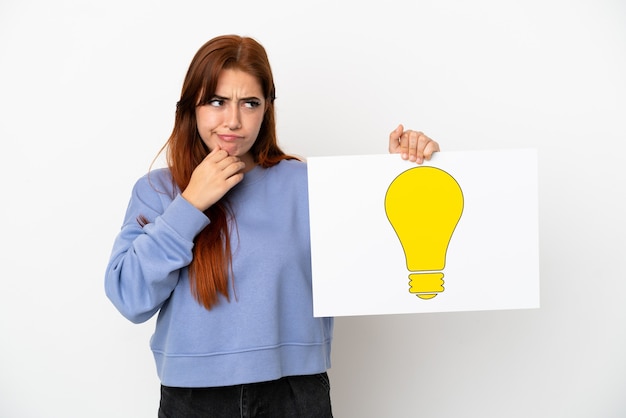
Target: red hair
212	257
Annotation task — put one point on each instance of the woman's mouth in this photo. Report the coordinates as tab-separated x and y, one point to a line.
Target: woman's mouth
228	138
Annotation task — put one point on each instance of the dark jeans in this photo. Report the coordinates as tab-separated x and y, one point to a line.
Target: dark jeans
289	397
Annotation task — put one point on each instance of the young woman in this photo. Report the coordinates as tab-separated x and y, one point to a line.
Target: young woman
218	244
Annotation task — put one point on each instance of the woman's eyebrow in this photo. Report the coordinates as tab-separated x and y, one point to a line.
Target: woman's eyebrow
217	96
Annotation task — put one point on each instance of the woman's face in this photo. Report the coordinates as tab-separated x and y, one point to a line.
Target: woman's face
232	119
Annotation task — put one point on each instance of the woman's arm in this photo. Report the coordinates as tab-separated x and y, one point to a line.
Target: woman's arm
146	261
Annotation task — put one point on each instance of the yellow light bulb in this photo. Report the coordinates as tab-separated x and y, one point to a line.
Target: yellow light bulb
424	205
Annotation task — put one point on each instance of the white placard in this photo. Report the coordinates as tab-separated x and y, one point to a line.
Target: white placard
361	266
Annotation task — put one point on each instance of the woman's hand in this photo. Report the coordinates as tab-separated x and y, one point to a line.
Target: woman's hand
213	178
411	145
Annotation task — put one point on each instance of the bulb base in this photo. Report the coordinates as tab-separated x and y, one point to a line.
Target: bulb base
426	285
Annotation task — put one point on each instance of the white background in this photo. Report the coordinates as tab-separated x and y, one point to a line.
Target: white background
87	96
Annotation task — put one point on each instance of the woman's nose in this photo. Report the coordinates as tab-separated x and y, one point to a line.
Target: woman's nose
233	119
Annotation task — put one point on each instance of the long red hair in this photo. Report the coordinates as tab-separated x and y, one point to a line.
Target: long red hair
211	266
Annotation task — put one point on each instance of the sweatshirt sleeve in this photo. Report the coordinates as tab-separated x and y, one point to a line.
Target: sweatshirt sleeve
146	262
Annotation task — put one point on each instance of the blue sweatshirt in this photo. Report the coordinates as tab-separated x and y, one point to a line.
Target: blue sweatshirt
267	330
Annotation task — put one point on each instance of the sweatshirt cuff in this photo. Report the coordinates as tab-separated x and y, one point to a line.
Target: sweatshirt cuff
184	218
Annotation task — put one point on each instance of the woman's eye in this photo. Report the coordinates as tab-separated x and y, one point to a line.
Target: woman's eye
251	104
216	102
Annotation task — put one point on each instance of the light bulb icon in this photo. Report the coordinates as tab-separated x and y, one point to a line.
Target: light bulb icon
424	205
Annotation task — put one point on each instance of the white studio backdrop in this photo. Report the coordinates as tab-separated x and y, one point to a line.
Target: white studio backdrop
87	96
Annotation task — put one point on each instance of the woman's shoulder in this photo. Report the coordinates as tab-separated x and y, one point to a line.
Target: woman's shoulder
294	165
159	179
288	171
